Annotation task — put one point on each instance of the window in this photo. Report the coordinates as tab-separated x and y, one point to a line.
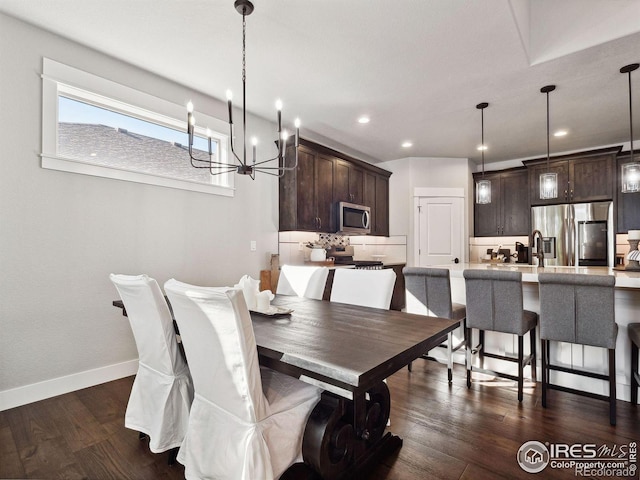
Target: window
97	127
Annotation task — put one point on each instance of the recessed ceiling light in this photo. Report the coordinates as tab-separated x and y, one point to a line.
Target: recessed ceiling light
94	155
407	144
364	119
560	133
482	147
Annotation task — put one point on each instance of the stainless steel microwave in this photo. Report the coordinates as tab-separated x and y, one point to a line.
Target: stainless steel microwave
353	219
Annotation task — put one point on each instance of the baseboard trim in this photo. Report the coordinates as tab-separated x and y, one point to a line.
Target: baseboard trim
34	392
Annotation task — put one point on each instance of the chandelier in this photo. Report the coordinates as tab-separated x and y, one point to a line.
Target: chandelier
631	170
548	179
483	186
242	165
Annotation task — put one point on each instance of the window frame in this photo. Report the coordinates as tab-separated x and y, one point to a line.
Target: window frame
62	80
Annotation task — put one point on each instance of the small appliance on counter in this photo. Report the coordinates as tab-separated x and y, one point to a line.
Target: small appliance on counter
523	253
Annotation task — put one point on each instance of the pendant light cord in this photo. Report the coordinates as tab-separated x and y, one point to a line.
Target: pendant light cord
547	131
482	138
630	119
244	89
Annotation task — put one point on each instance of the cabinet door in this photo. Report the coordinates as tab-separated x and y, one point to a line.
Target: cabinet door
369	198
341	171
591	179
516	213
486	216
382	206
562	169
356	184
348	183
325	206
288	196
306	215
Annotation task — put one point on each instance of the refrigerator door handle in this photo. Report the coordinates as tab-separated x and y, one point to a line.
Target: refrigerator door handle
572	236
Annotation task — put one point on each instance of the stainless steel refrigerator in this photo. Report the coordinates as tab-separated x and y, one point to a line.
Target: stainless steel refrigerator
579	234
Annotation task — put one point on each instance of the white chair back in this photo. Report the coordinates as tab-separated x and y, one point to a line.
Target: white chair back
302	281
162	391
217	335
151	322
367	288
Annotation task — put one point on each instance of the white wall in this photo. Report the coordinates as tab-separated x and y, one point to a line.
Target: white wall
413	172
61	234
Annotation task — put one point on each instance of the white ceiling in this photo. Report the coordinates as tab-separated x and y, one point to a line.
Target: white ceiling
416	67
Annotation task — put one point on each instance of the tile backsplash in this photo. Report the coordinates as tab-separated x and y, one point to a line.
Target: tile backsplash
292	248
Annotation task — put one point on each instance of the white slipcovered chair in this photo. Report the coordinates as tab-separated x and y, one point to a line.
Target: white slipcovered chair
367	288
246	422
162	391
302	281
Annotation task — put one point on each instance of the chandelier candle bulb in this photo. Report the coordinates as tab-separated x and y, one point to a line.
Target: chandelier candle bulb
254	143
297	124
229	105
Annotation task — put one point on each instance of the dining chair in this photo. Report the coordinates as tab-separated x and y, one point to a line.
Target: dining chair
578	309
303	281
367	288
162	391
246	422
495	302
428	292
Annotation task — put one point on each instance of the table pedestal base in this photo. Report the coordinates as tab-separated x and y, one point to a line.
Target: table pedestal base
344	438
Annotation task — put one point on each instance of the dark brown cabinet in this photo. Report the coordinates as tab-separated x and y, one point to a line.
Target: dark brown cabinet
508	213
582	177
376	195
307	193
310	193
349	182
628	204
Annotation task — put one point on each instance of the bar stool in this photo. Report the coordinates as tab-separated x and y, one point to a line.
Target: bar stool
634	336
578	309
495	303
428	292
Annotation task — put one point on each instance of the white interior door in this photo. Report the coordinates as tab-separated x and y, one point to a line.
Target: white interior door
440	230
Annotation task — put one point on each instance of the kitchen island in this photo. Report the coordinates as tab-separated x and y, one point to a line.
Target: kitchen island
627	304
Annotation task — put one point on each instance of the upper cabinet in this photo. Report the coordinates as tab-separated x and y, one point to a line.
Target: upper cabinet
349	182
582	177
628	204
376	195
310	193
508	213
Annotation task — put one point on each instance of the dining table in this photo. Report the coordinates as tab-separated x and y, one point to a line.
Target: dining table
349	351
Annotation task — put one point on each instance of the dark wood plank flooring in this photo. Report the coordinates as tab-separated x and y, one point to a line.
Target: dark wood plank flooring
449	432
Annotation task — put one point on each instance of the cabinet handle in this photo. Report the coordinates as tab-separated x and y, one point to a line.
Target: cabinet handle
319	223
571	194
565	195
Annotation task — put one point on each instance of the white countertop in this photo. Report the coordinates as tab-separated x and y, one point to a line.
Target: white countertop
530	273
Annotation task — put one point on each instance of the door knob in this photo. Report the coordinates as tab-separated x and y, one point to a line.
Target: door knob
456	260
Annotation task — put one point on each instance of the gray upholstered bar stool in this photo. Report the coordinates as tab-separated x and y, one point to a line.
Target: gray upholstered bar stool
495	303
428	292
578	309
634	336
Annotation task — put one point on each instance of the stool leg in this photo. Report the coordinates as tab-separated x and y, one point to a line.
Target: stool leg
481	352
468	356
545	372
450	356
532	339
520	366
634	374
612	386
409	366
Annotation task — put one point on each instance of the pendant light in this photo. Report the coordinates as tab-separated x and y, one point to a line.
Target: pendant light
631	170
548	180
483	187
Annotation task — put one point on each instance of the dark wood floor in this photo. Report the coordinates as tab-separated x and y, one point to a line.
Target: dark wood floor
449	432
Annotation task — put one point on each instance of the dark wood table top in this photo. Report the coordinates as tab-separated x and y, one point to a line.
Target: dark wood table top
345	345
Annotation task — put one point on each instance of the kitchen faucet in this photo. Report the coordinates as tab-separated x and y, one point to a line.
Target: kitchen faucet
538	245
